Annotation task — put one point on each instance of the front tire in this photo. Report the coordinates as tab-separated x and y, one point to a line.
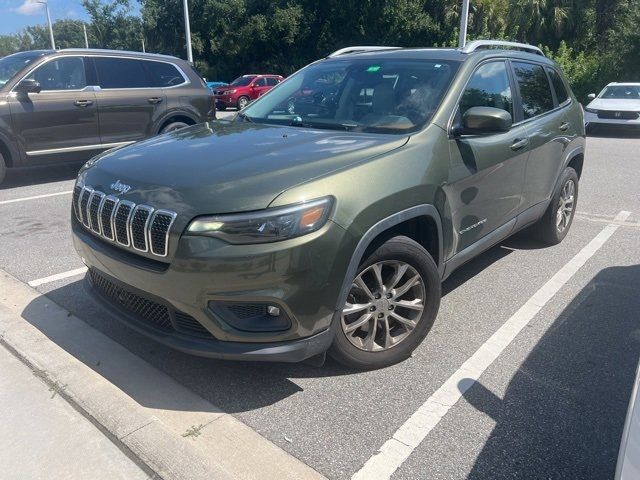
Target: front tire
555	223
391	306
243	102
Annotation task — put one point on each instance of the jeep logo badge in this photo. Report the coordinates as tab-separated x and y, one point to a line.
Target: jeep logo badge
120	187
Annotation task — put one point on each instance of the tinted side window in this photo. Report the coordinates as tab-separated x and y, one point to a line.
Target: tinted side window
534	89
272	81
164	74
261	82
121	73
558	86
489	87
61	74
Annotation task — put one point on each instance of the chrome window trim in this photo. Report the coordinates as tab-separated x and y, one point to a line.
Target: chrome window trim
126	223
116	200
173	216
101	195
85	216
144	228
79	148
187	81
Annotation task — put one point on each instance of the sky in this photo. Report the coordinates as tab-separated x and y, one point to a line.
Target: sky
17	14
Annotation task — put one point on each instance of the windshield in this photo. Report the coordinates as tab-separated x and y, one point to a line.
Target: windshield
12	64
242	81
622	92
385	96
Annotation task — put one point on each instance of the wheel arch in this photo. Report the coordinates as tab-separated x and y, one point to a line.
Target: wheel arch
176	116
9	154
421	223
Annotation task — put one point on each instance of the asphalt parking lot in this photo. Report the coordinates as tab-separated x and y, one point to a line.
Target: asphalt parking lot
550	405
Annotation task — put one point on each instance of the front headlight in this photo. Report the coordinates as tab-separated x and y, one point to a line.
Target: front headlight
229	92
270	225
591	110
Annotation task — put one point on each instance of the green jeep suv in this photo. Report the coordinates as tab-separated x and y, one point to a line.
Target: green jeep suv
326	214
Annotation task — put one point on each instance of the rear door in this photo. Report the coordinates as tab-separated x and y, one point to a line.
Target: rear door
61	122
129	105
486	172
548	127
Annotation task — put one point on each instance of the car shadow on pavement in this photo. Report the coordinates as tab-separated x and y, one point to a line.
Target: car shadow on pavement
564	409
22	177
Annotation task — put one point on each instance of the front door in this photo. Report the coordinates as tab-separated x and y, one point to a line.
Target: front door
61	122
486	172
129	106
259	87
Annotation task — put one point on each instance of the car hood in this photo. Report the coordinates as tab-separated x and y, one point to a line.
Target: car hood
618	105
225	167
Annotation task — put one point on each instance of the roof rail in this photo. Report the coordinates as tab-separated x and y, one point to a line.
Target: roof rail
484	44
347	50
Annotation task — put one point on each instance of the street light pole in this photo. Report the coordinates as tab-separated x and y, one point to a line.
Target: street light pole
86	39
46	7
187	30
464	19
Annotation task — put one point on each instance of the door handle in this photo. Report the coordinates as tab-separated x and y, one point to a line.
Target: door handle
154	100
83	103
565	126
519	143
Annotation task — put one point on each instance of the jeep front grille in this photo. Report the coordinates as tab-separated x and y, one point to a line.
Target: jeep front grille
141	227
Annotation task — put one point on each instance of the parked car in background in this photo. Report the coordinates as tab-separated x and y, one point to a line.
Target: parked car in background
213	85
244	89
617	105
68	105
280	235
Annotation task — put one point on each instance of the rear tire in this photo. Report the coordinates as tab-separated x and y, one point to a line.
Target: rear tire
556	221
376	328
3	169
173	126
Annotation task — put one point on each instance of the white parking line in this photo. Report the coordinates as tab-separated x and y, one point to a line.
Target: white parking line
407	438
57	276
35	197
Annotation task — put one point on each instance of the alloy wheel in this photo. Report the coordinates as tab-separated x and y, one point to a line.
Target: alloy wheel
565	205
384	305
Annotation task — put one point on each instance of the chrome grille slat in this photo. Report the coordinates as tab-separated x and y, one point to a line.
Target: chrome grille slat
159	228
139	227
84	203
95	204
121	222
107	212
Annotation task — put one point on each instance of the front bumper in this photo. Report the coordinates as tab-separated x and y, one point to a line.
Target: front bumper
226	101
303	276
594	119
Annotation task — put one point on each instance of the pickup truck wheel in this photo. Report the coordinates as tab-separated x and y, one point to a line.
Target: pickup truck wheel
391	306
243	102
3	169
173	126
555	224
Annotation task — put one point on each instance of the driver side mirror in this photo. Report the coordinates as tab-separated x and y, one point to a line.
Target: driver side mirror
28	85
591	96
482	120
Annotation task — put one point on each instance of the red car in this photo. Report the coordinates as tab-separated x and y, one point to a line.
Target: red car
244	89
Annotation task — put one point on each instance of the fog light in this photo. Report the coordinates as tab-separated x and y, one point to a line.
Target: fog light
273	311
251	317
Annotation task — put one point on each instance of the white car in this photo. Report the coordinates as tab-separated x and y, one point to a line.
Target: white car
629	456
617	104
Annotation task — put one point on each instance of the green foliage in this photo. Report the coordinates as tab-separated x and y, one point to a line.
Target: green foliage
595	41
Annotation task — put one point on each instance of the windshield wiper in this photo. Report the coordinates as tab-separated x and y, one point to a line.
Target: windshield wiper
326	125
245	117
